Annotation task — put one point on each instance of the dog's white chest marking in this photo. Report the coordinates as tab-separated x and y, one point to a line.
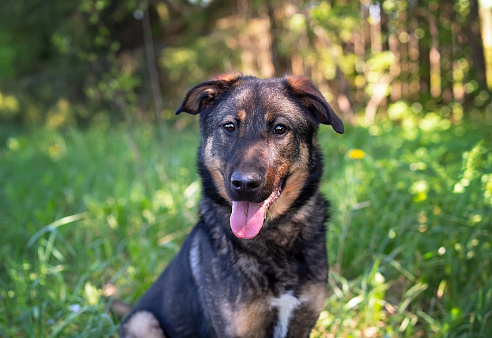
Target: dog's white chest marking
286	305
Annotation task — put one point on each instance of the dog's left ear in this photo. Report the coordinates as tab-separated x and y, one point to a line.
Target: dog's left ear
206	92
312	99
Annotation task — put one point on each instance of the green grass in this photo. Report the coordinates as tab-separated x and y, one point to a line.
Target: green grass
90	215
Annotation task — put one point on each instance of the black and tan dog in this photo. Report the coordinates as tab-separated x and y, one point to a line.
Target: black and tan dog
255	265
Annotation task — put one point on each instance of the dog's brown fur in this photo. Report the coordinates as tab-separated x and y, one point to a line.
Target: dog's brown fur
258	146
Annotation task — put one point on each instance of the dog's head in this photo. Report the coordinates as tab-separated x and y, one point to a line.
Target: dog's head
258	144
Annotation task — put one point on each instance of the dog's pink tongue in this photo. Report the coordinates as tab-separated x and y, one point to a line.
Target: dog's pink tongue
247	219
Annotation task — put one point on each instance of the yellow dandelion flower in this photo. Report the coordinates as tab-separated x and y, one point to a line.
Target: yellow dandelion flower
54	150
356	154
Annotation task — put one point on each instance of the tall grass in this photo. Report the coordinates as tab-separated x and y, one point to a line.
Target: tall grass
95	215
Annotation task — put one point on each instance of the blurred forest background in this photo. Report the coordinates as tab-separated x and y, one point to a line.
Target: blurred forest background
64	63
98	186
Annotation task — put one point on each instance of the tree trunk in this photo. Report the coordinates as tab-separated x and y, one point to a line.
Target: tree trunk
486	19
413	53
446	42
360	48
472	29
279	62
424	60
395	70
434	58
403	38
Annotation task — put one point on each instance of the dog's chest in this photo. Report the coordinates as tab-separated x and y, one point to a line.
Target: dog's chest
285	306
261	295
255	319
278	317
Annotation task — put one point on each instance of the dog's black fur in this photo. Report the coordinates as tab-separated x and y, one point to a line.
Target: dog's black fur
258	144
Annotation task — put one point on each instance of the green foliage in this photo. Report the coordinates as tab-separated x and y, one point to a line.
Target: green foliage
90	215
99	204
187	65
74	58
97	54
416	207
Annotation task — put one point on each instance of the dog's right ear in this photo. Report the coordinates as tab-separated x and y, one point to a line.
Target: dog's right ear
206	92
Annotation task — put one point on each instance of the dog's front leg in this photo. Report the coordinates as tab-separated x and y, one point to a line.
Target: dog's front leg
312	302
142	324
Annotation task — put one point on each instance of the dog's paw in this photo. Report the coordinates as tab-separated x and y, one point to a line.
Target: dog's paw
142	324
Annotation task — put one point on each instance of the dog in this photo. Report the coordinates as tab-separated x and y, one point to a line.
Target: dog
255	264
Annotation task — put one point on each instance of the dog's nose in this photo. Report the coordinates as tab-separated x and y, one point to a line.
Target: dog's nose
245	182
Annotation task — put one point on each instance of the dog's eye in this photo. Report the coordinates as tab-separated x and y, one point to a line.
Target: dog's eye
280	129
230	127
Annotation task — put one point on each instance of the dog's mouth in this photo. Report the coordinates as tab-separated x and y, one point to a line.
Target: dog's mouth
247	217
